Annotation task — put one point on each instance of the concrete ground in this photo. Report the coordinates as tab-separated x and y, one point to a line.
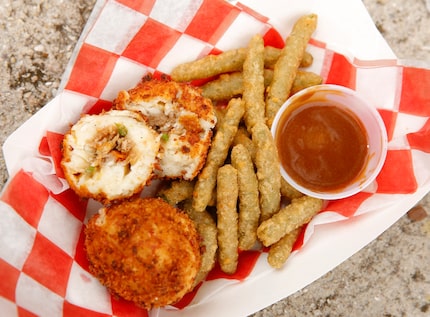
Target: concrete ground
389	277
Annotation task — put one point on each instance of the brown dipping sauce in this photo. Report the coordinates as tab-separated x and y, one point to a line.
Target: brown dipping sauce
322	146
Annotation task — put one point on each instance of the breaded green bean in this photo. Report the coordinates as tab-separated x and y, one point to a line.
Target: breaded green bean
286	67
242	137
253	82
268	170
304	80
249	207
288	191
225	62
218	152
207	230
225	87
271	56
230	85
281	250
227	218
220	114
179	190
210	65
300	211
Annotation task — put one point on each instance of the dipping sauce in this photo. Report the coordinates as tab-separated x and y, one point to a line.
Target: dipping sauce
321	146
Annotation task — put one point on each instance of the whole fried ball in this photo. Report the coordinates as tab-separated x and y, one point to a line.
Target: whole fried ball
144	250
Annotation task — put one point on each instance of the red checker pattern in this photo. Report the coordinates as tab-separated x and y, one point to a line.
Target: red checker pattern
44	147
300	239
415	96
342	72
54	141
73	203
144	6
395	180
49	265
252	12
27	197
80	254
100	106
123	308
188	298
421	140
9	278
246	263
70	310
273	38
145	50
207	28
91	71
348	206
22	312
389	117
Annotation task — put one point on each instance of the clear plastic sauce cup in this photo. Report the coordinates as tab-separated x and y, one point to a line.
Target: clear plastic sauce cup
332	144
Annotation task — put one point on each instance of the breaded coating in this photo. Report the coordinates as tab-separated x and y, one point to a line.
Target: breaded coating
253	82
207	229
268	170
226	62
288	191
230	85
218	153
183	118
249	206
177	191
110	156
144	250
281	250
300	211
287	65
228	236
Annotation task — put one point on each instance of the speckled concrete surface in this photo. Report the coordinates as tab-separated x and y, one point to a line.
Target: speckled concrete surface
389	277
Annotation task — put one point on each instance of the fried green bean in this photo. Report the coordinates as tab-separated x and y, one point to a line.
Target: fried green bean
207	230
253	82
249	207
268	170
300	211
225	62
218	152
230	85
178	191
227	218
271	56
286	67
281	250
304	80
288	191
210	65
242	137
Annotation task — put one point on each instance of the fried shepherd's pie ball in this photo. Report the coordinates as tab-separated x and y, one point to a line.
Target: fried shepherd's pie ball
183	118
144	250
110	156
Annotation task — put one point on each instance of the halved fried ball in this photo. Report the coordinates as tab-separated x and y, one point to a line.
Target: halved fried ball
144	250
110	156
183	118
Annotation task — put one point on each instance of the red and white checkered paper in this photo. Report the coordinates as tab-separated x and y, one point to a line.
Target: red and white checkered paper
43	267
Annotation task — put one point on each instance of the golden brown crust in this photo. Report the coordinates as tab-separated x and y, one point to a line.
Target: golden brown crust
144	250
190	97
184	118
110	156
